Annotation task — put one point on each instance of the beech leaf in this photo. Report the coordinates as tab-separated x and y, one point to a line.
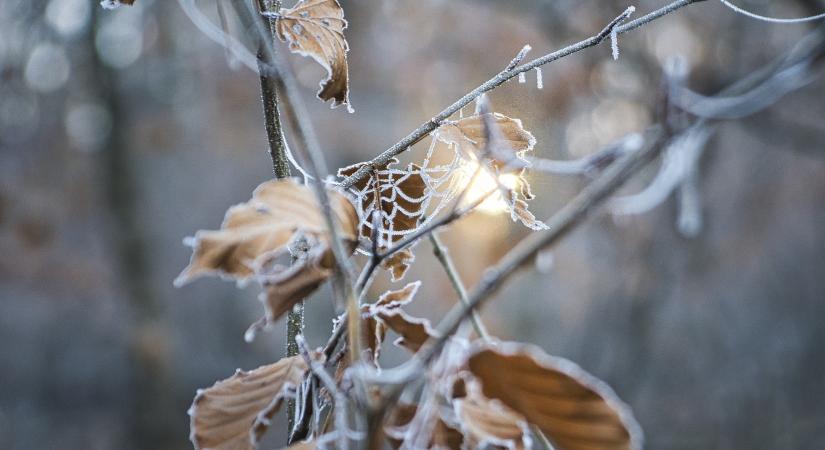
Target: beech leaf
413	332
234	413
373	331
396	429
282	218
485	423
575	410
315	28
398	263
467	137
253	231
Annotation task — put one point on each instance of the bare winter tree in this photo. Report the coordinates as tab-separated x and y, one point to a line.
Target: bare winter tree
461	387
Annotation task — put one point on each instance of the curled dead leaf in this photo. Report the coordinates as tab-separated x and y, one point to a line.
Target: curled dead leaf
413	332
486	424
519	212
315	28
397	298
282	218
575	410
234	413
468	139
397	424
398	263
253	232
373	331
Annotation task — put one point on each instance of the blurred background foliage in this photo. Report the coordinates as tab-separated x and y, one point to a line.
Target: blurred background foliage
121	132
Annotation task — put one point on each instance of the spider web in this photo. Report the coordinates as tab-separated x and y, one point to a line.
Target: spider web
404	212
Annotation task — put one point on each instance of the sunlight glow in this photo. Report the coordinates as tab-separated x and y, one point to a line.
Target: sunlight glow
483	183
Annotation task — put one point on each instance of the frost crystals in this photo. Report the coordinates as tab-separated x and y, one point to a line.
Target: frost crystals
315	28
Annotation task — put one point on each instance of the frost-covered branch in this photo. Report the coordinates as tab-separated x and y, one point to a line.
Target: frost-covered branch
753	93
559	225
508	73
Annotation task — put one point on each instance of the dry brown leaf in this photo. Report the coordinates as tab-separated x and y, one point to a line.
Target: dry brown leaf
285	287
519	212
398	263
263	225
467	136
574	409
413	332
486	423
235	412
373	331
256	233
395	299
468	139
444	436
315	28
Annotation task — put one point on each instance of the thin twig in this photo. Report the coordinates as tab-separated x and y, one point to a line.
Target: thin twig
269	97
455	214
424	129
559	225
441	254
305	133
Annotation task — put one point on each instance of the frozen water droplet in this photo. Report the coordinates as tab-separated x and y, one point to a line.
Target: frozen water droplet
539	79
521	78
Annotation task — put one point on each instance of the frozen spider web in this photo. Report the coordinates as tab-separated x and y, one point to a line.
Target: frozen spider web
409	197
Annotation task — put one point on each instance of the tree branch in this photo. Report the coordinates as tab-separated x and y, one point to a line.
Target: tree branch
564	221
441	254
269	97
510	72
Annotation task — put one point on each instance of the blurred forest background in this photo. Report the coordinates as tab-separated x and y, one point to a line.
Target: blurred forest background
122	132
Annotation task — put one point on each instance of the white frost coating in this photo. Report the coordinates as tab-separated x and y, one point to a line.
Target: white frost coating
614	44
614	34
679	159
521	78
539	79
110	4
770	19
294	162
